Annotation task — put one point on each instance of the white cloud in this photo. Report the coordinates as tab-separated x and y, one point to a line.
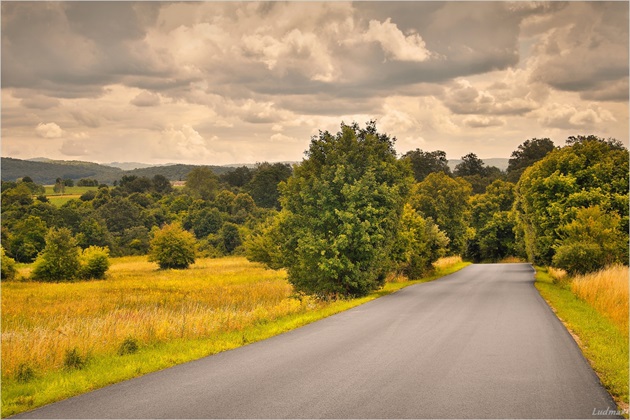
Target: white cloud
475	121
183	143
396	45
49	130
567	116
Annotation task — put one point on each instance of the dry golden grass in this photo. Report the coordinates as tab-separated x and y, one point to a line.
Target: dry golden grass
41	321
607	292
512	260
558	275
447	262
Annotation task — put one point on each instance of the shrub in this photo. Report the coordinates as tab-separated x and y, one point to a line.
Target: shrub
7	266
94	262
73	360
172	247
60	258
25	373
128	346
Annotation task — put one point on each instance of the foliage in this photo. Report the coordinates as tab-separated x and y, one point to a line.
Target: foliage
528	153
590	242
590	172
27	239
420	243
172	247
425	163
202	183
341	213
73	359
94	262
203	222
446	201
59	260
470	165
493	222
7	266
263	186
20	194
230	237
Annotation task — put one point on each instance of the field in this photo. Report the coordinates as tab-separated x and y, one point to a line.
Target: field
69	193
63	339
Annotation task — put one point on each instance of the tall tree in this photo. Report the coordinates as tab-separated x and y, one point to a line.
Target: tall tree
470	165
263	187
341	212
425	163
528	153
446	201
202	183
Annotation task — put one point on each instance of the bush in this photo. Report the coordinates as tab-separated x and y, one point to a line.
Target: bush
7	266
94	262
129	346
73	360
60	258
172	247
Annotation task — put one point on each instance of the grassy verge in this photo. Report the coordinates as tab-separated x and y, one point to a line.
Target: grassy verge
603	344
23	390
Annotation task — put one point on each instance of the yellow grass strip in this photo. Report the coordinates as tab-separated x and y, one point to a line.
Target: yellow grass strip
607	291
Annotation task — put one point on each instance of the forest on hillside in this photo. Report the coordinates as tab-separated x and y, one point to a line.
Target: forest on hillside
352	210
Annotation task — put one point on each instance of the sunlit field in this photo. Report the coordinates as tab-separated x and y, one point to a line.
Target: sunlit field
606	291
42	322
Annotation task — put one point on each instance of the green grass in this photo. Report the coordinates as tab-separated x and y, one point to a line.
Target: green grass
70	193
602	343
105	369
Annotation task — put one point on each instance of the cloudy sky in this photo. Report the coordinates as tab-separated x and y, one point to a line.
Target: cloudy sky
243	82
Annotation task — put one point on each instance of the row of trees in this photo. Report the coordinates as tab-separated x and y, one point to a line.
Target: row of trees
352	212
218	210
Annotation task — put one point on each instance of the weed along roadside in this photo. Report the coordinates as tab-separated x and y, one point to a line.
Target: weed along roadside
64	339
600	331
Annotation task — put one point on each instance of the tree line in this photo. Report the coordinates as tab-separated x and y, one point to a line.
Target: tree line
353	212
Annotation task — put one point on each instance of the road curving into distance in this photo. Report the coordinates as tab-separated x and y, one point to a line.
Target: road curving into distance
480	343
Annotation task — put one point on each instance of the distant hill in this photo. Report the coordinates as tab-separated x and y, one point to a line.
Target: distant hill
46	171
501	163
127	166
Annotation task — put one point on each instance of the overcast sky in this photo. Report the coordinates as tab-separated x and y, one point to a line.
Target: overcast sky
232	82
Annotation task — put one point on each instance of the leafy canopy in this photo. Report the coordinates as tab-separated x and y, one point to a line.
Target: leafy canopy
341	213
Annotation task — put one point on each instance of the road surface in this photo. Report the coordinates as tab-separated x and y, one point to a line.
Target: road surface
480	343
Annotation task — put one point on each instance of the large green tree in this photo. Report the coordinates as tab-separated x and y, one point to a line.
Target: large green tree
425	163
528	153
341	213
446	201
493	222
587	172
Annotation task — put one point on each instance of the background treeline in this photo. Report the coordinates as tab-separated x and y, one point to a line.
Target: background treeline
352	211
219	210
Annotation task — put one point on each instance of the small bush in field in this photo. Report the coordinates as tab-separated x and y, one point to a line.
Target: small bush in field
94	262
129	346
25	373
59	259
7	265
173	247
73	360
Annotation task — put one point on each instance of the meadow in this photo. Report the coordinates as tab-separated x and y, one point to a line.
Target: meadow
61	339
59	199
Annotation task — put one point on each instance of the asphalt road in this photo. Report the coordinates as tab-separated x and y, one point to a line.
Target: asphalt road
480	343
